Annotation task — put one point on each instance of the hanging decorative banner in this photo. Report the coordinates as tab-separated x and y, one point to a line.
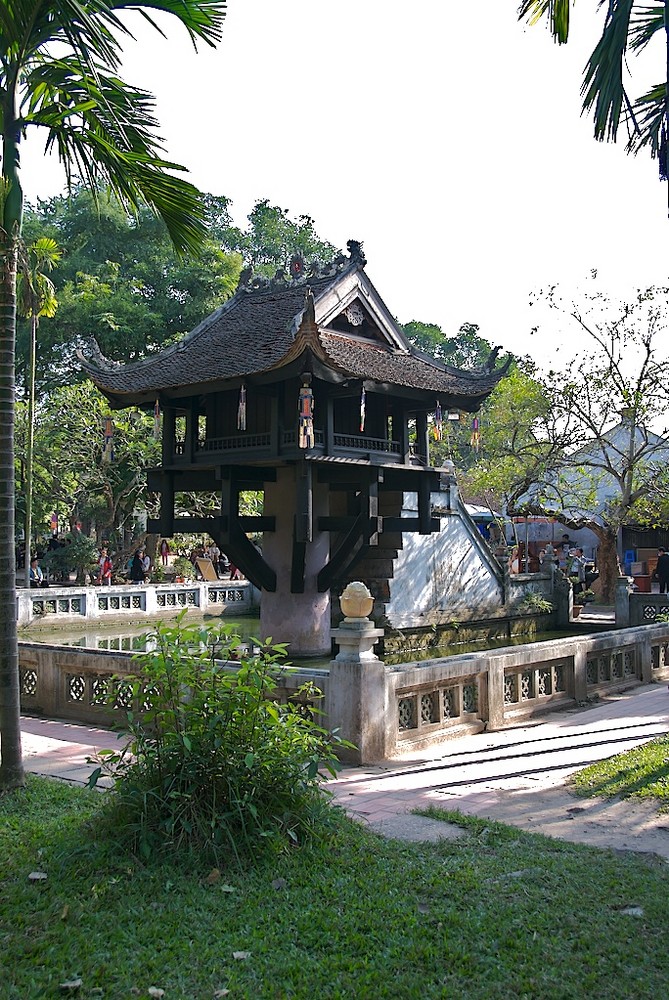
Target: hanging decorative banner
108	434
306	415
475	440
438	422
241	409
156	420
363	405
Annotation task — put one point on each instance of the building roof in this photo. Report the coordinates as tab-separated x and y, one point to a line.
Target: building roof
335	316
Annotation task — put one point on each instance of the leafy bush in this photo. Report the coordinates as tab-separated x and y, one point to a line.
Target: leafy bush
79	553
534	604
183	567
213	762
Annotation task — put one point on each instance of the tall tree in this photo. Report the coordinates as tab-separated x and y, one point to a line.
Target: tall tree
36	299
59	72
627	27
586	444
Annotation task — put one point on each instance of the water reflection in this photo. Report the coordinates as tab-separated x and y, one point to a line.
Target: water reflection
473	646
131	640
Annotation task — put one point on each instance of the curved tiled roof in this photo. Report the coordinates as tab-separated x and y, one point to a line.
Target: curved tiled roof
254	332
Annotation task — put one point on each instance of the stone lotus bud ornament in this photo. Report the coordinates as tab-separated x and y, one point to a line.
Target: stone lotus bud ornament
356	601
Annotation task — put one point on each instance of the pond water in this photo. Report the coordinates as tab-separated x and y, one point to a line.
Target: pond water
134	640
473	646
129	639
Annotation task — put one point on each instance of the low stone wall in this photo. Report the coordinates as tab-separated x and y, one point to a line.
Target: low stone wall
89	686
385	710
70	605
427	702
644	608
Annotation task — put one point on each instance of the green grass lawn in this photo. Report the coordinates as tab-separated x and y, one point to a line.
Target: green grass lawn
642	772
501	914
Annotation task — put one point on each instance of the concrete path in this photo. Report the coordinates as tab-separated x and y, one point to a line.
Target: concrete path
516	776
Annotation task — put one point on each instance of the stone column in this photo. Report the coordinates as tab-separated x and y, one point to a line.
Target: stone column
302	620
624	586
357	694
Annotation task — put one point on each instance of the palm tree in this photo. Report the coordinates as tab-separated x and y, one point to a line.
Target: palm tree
59	71
627	27
36	298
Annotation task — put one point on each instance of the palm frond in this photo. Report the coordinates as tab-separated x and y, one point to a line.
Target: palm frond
202	18
556	13
650	110
603	87
644	24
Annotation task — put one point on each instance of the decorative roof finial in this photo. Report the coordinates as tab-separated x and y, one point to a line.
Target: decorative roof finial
354	248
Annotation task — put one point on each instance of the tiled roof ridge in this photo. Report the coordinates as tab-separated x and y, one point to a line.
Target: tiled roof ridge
476	374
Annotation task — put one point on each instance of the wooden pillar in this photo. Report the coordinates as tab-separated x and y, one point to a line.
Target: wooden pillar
275	425
192	415
422	439
329	426
403	434
169	421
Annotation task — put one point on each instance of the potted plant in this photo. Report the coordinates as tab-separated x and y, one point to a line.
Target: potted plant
184	570
587	596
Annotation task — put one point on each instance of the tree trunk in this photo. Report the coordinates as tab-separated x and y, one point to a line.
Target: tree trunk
30	444
608	564
11	764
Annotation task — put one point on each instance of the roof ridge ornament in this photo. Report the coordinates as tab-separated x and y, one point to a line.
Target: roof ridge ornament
356	253
299	270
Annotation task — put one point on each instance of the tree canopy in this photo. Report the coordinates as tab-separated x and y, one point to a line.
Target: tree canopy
587	444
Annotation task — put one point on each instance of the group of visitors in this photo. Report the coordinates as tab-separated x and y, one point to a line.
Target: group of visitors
219	561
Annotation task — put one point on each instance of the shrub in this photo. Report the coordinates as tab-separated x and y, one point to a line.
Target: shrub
534	603
79	553
213	762
183	567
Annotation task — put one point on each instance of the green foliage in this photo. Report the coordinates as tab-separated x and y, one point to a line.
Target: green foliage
272	238
183	567
515	450
355	915
534	603
214	763
69	471
79	554
627	29
641	773
466	350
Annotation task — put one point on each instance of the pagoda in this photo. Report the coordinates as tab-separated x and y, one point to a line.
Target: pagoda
302	387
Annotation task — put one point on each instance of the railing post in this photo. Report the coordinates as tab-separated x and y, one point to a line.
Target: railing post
495	686
356	702
623	590
580	692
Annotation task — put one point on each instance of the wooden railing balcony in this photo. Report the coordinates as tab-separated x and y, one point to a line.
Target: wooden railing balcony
245	442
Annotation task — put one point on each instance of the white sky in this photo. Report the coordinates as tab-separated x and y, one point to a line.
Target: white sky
445	136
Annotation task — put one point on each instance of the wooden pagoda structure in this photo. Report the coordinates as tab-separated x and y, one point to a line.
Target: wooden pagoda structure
302	387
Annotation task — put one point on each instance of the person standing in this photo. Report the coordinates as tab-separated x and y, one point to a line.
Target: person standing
214	553
662	570
164	551
105	568
137	567
577	571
